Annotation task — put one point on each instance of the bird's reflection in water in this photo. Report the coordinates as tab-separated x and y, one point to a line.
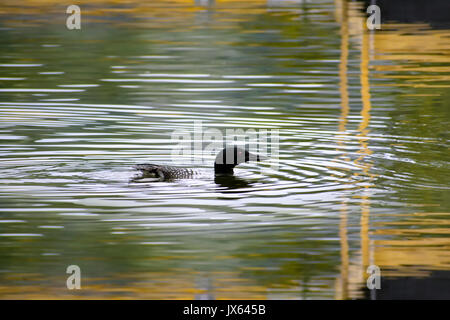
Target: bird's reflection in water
224	182
231	182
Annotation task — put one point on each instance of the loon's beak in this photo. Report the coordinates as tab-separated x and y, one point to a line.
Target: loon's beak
256	157
261	158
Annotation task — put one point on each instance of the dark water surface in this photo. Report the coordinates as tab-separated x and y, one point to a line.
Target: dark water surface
363	171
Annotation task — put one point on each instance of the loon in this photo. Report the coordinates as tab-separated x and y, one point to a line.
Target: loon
224	164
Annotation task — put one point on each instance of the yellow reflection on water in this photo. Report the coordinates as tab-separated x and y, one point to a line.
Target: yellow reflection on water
364	150
408	249
182	285
144	13
358	277
414	48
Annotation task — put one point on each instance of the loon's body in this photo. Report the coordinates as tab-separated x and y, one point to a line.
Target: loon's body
166	172
225	161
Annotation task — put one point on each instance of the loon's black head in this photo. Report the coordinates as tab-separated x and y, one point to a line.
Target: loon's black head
230	157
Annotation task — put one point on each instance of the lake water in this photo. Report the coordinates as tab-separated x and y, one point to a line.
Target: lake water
362	176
